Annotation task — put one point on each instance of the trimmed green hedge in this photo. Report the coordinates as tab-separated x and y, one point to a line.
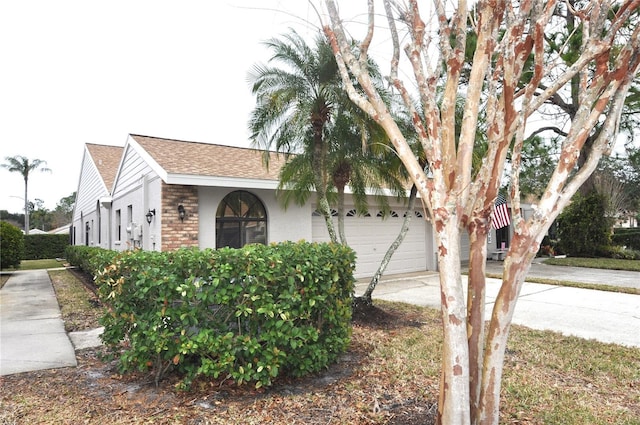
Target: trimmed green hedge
629	237
89	259
247	314
38	247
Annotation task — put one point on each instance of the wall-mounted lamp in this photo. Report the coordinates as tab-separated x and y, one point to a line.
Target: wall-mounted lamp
181	212
150	215
87	227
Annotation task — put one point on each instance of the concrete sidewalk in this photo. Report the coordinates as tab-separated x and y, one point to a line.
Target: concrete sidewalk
32	335
604	316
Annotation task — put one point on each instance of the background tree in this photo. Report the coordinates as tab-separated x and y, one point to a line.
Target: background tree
564	43
539	158
12	218
41	217
63	212
584	229
632	179
614	193
620	179
356	151
24	166
510	40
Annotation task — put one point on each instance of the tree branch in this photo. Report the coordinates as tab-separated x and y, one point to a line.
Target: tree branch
548	128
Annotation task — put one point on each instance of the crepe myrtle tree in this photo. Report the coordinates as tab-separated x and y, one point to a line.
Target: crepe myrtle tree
510	78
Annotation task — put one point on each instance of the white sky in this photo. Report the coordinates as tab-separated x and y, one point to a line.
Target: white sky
77	71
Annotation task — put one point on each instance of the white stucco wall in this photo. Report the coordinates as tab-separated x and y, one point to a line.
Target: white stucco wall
293	224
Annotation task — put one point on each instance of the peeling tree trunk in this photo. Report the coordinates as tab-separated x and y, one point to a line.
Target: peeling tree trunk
476	294
510	43
366	297
453	403
516	266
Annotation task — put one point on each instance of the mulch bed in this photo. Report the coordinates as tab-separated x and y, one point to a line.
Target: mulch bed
94	392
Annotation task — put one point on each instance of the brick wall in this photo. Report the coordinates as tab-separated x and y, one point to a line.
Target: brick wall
175	233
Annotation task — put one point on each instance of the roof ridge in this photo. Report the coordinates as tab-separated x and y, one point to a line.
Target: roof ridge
102	145
201	143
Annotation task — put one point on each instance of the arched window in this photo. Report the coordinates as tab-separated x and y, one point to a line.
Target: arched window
241	219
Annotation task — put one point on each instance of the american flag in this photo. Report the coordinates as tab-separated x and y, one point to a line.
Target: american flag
500	216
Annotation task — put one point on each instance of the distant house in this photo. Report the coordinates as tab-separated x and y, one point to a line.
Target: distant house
62	230
162	194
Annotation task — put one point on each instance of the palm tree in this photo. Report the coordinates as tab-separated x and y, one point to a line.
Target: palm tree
24	166
360	157
302	109
295	102
360	162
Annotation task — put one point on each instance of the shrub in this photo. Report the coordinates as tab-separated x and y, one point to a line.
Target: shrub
89	259
11	245
583	228
37	247
629	237
619	253
246	314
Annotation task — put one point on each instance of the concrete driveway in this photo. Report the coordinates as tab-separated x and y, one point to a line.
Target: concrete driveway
604	316
538	269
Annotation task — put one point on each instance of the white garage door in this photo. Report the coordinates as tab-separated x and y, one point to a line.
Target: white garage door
371	236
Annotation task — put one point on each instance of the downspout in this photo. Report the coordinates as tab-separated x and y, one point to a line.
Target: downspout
145	242
106	204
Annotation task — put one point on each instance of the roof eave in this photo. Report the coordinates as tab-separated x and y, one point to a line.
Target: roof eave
212	181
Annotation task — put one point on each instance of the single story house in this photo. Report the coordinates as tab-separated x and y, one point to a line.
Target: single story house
162	194
62	230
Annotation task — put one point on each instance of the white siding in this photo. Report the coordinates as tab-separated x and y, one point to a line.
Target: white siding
137	186
90	189
129	176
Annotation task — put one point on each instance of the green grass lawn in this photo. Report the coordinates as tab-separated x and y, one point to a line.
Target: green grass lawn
49	263
596	263
30	265
40	264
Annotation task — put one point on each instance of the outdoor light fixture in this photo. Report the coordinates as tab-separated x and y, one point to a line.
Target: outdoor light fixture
87	227
150	215
181	212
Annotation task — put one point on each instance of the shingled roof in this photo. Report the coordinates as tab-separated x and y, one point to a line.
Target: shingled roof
107	159
203	159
